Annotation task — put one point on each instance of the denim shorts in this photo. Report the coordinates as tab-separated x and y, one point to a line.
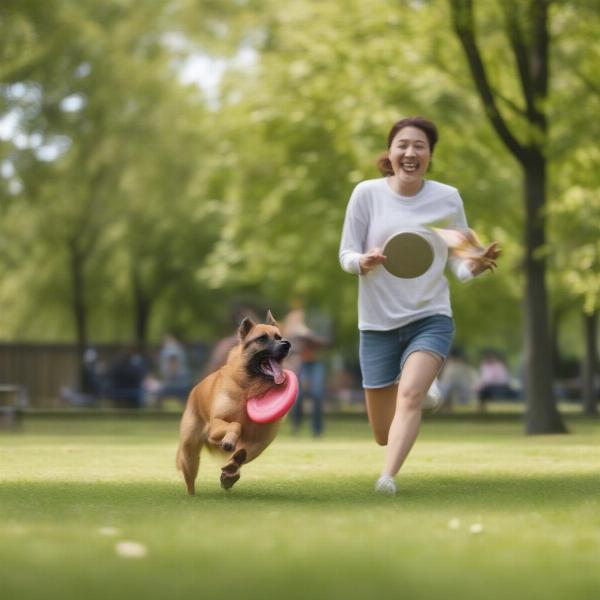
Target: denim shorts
383	353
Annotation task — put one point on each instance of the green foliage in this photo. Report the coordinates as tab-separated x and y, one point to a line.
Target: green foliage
176	201
574	211
308	122
125	201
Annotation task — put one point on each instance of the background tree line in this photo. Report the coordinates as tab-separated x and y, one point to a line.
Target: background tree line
132	202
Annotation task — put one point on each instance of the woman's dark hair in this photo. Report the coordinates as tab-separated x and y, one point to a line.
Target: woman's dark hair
425	125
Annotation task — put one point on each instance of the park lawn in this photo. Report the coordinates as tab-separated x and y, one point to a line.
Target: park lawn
482	512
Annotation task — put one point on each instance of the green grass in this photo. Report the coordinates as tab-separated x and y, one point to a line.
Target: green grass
303	521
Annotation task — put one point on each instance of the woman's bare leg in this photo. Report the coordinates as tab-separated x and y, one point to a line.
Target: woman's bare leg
381	406
418	373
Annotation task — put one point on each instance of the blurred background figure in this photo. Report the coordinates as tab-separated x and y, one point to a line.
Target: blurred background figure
174	372
220	351
457	380
494	380
94	382
304	359
126	377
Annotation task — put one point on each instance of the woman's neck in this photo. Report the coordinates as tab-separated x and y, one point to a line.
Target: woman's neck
408	186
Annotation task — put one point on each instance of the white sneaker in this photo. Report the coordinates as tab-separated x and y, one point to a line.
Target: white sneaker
386	485
434	398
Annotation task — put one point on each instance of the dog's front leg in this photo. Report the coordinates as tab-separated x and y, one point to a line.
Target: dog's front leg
224	434
230	472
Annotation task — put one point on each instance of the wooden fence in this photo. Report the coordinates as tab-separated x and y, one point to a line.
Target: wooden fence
44	369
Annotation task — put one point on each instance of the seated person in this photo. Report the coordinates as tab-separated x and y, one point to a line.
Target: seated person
175	377
494	381
126	377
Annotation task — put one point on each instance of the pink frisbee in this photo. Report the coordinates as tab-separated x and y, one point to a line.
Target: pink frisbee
274	403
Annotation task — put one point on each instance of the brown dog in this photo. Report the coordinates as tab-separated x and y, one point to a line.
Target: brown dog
215	414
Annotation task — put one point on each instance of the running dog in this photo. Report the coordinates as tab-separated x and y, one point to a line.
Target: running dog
215	413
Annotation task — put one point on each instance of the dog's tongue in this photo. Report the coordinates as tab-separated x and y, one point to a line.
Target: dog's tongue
274	368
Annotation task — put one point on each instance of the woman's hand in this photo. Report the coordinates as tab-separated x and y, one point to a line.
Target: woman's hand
486	260
466	245
370	260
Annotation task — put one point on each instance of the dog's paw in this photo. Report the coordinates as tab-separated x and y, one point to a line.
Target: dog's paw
228	480
240	456
227	446
230	468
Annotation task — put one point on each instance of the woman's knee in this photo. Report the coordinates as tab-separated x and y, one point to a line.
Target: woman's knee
381	437
410	398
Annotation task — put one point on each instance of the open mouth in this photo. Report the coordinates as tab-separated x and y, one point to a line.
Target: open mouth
409	166
271	368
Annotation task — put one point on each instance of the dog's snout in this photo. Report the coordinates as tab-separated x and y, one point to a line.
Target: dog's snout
285	345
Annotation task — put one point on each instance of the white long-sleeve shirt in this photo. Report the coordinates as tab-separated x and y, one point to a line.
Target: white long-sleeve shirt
375	212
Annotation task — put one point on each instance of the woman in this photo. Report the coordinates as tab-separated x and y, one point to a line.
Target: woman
405	325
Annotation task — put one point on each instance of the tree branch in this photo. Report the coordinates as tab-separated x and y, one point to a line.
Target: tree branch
512	105
538	18
463	23
519	48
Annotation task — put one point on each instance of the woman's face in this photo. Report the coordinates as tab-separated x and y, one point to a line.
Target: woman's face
409	153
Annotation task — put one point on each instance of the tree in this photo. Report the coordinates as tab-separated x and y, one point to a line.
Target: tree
574	210
575	220
114	210
526	29
307	120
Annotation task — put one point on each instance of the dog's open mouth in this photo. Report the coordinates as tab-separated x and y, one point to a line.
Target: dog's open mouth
272	368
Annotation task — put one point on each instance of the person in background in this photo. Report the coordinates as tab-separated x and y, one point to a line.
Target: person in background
305	361
94	385
175	378
457	380
494	381
126	376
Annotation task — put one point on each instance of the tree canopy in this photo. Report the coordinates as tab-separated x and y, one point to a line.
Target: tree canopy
132	202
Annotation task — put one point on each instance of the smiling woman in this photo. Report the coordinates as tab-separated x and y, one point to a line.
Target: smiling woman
404	312
411	142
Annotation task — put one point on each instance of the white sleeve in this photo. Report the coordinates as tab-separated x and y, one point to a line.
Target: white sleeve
460	219
354	235
460	266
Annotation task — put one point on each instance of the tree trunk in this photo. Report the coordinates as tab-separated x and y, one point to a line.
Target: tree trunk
542	415
79	306
526	28
590	362
142	306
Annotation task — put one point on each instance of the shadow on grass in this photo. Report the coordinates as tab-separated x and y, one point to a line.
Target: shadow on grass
501	492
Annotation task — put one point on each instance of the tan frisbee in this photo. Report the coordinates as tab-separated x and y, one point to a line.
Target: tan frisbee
408	254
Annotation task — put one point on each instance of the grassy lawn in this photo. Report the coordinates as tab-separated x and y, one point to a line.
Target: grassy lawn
483	512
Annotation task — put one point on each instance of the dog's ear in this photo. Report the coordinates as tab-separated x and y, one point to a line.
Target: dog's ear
245	326
271	320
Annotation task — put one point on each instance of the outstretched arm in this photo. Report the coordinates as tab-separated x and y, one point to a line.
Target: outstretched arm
468	252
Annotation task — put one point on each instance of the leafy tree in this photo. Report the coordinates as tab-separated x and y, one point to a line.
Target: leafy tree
525	25
115	211
574	211
307	121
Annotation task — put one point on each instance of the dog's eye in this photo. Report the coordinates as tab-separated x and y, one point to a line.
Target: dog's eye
263	339
277	337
